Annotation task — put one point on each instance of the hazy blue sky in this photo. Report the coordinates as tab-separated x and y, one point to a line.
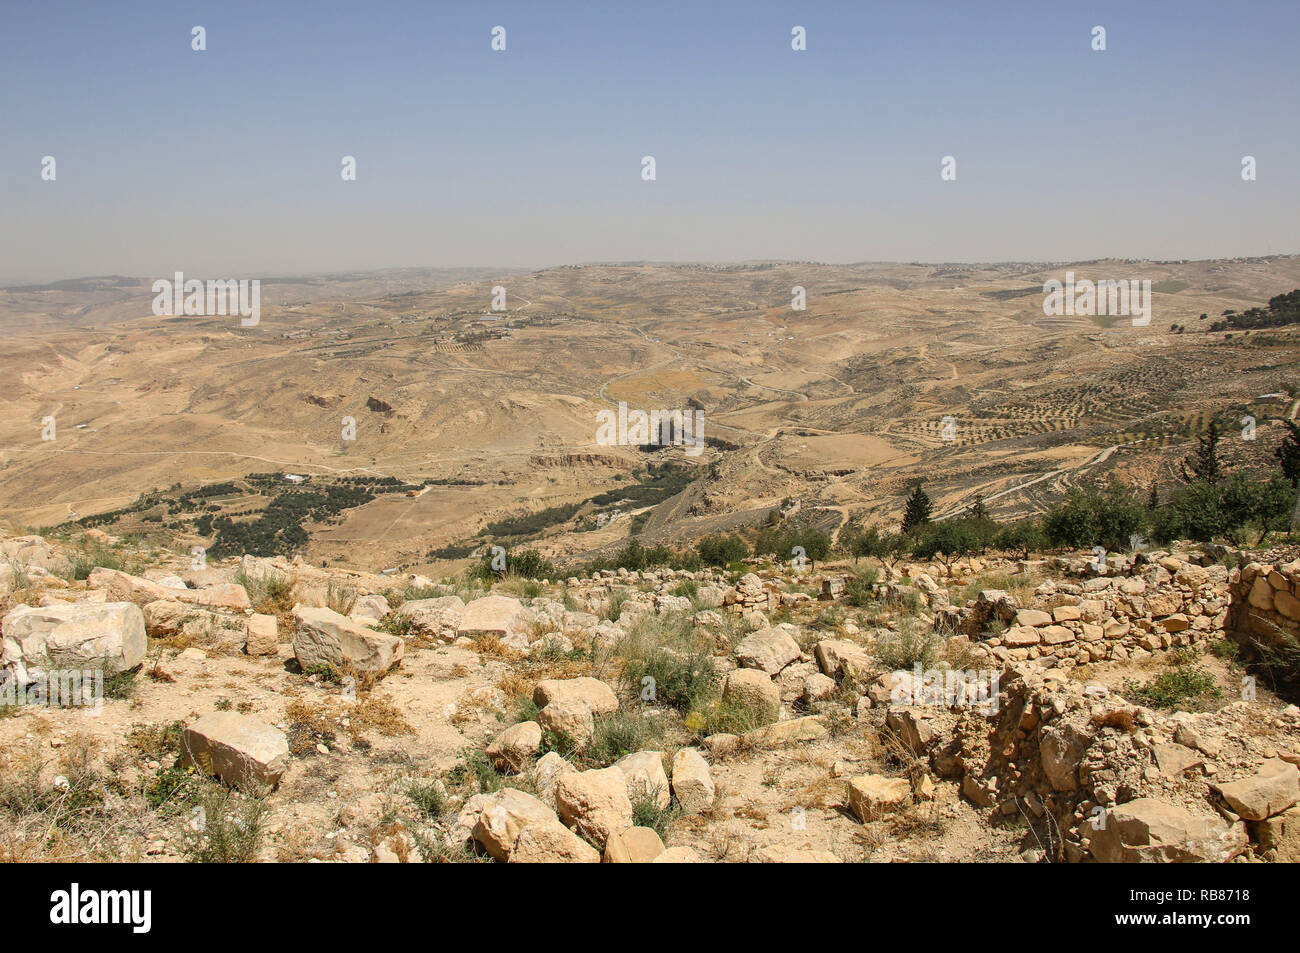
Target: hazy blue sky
227	162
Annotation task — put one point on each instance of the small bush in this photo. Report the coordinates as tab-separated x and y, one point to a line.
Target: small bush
858	588
429	797
909	646
474	772
613	607
272	593
646	812
620	733
340	598
397	623
1184	686
229	828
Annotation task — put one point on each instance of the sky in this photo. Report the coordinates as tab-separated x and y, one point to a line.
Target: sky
227	162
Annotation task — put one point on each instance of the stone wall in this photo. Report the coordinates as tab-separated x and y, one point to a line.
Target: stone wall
1165	604
1265	603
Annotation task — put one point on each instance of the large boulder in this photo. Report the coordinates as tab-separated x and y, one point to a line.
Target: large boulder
239	749
1280	834
840	657
107	636
324	637
167	618
646	777
594	803
499	818
550	842
1149	830
516	746
1270	790
1061	749
770	649
128	588
547	772
752	690
369	609
492	615
592	692
791	731
633	845
434	618
570	719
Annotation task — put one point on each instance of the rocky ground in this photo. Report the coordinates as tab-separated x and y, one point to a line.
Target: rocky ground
1058	710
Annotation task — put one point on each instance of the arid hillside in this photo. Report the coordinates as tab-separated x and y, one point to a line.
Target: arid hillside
892	373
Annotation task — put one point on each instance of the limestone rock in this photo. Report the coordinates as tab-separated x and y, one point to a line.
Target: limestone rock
570	718
594	803
678	855
434	618
872	796
770	649
550	842
324	637
239	749
839	657
263	635
516	746
491	615
1149	830
592	692
107	636
753	691
633	845
1272	789
646	777
692	781
502	816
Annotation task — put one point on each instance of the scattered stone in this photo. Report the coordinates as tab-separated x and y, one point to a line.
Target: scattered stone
570	718
753	691
646	778
324	637
769	650
241	750
1148	830
107	636
592	692
692	781
594	803
263	635
516	746
633	845
872	796
1272	789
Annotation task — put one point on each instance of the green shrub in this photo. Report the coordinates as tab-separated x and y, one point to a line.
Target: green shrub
229	829
858	587
721	550
646	812
620	733
1184	685
909	646
428	797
